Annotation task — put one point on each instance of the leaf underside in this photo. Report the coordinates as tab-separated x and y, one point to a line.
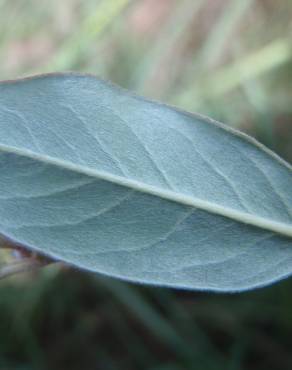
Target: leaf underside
97	177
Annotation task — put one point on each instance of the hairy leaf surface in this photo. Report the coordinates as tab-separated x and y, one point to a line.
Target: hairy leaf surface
108	181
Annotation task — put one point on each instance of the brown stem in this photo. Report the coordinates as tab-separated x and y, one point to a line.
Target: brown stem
25	265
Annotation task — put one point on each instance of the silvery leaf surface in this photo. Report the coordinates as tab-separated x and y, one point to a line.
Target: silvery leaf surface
95	176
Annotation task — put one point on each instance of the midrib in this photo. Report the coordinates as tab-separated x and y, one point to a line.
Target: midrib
257	221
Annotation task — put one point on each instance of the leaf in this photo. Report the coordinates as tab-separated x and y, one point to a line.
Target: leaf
110	182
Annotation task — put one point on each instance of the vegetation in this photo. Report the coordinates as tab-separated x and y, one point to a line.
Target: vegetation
228	59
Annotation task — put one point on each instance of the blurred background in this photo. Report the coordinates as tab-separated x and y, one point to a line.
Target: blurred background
229	59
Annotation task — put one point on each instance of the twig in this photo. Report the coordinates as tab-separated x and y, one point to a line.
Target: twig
25	265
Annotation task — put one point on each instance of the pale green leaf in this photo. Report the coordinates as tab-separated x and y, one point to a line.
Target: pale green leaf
110	182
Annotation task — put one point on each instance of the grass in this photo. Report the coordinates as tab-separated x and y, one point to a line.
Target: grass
66	319
228	59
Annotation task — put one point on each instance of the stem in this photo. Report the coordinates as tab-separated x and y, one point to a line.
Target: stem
19	267
6	244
